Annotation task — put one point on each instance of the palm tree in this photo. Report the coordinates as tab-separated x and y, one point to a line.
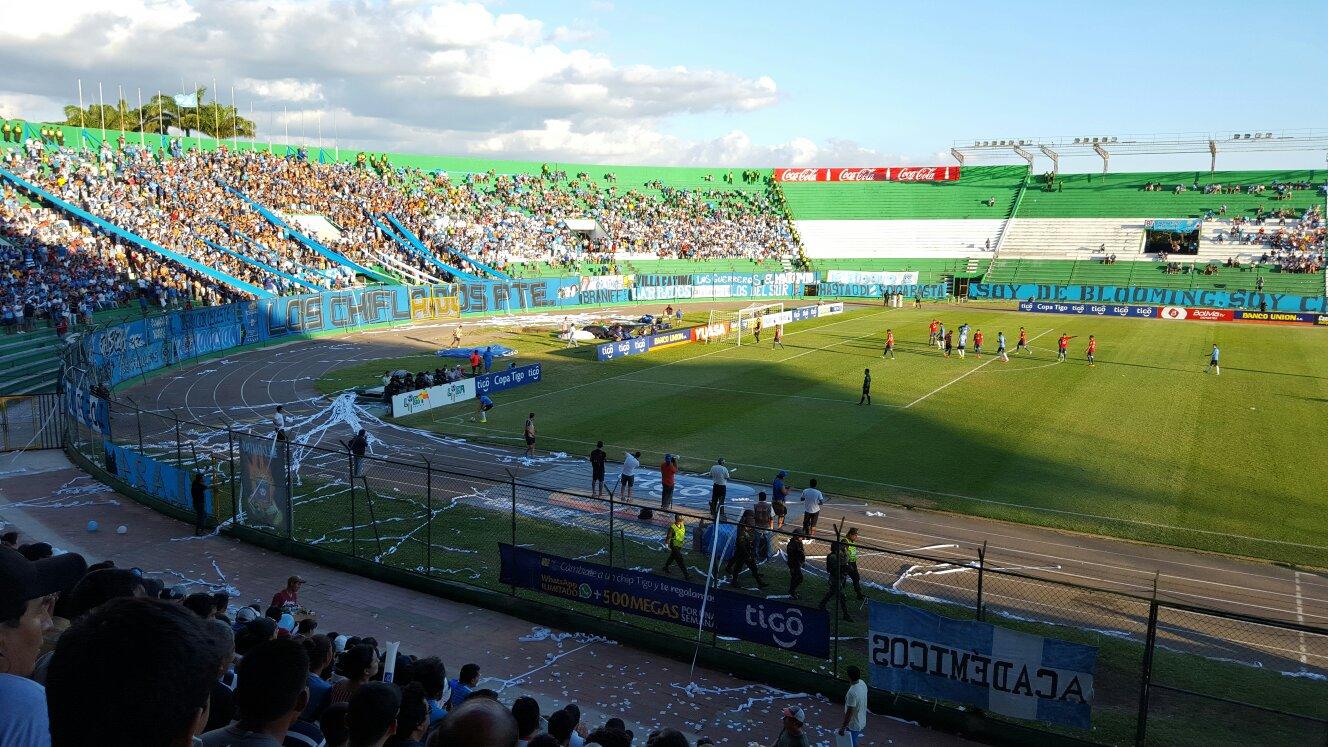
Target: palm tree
161	113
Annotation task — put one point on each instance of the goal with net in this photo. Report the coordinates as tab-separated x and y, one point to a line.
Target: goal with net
749	321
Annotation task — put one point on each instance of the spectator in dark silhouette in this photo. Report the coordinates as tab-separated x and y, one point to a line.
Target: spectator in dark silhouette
478	722
412	718
270	697
319	650
372	714
525	710
432	676
358	664
333	725
132	673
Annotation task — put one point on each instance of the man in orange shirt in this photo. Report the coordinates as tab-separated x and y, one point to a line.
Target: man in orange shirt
668	472
1092	350
889	344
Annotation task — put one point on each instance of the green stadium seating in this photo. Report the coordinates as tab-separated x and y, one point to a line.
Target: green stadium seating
965	198
1150	275
1123	195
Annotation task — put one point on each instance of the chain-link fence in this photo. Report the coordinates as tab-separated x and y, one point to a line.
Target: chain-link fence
30	421
1165	673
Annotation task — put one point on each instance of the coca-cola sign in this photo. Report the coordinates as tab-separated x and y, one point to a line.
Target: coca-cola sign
870	174
798	175
858	175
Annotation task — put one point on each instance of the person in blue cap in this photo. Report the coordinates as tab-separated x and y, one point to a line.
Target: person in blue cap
484	405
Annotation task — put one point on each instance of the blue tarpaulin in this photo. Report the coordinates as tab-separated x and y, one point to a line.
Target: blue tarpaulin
499	351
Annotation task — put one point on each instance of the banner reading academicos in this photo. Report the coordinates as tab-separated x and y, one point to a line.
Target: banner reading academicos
870	174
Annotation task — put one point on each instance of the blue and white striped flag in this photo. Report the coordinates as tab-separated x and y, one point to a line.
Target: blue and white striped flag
965	661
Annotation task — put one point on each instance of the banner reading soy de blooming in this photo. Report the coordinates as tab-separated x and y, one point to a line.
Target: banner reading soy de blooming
769	622
964	661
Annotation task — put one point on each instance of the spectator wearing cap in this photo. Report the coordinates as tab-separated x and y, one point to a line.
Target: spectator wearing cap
791	734
134	672
371	716
289	596
562	725
28	591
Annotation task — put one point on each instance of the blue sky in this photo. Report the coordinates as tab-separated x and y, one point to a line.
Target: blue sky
908	78
688	82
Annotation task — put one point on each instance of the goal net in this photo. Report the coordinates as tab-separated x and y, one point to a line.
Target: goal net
751	322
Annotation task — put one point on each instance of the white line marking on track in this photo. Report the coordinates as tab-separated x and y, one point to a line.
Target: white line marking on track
1300	617
962	377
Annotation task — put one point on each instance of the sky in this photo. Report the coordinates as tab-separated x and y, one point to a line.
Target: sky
696	83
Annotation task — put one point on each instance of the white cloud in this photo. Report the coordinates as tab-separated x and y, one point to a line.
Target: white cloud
450	77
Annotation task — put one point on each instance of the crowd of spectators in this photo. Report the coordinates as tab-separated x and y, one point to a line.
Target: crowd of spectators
111	656
1280	190
186	201
1298	246
59	272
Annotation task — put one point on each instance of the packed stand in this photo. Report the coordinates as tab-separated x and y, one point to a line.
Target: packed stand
60	272
98	654
179	203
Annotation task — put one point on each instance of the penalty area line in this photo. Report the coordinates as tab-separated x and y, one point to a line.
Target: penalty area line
961	377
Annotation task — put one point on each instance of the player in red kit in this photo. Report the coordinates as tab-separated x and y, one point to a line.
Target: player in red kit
889	344
931	338
977	343
1092	350
1063	345
1023	342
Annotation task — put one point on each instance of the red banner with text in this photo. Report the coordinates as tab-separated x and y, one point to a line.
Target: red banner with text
870	174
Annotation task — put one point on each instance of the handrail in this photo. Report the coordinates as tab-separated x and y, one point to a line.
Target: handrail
260	264
111	228
276	220
410	236
417	247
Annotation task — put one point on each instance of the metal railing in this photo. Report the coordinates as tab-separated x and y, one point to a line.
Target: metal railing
1159	663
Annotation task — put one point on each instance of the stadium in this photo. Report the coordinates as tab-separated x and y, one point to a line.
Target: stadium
1073	419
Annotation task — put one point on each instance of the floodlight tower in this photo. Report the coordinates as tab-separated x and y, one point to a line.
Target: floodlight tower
1106	157
1054	156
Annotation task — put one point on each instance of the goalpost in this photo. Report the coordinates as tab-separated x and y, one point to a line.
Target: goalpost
745	321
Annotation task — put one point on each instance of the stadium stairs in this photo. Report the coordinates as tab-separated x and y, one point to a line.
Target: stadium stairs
29	362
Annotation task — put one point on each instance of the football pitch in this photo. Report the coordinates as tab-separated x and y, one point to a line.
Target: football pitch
1144	445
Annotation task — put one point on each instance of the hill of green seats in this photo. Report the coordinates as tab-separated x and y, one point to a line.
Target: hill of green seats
965	198
1150	275
1123	195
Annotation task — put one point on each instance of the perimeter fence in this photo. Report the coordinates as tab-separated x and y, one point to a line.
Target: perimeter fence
1166	673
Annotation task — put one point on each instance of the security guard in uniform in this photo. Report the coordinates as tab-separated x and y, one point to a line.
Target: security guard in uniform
674	538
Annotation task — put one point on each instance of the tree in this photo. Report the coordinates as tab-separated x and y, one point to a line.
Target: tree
162	113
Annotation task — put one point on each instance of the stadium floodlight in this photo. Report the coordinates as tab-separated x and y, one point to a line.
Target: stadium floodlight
1106	157
1024	154
1054	156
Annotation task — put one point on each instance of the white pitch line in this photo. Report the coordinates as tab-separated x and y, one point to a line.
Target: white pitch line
962	377
723	349
848	401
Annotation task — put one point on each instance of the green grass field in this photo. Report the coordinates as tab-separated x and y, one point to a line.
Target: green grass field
1143	445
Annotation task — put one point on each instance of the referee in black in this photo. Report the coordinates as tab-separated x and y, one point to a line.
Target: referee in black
866	387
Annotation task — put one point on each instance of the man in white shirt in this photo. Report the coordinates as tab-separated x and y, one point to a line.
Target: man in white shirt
855	707
279	423
628	475
812	499
719	485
